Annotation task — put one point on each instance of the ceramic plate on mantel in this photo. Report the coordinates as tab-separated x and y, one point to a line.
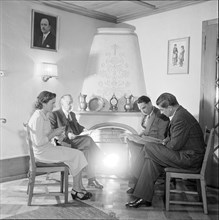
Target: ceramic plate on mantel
96	104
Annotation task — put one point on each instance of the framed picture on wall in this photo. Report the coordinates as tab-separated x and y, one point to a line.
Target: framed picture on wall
44	31
178	56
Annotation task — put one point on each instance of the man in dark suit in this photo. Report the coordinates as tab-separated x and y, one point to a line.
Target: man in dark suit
46	39
65	117
182	148
154	124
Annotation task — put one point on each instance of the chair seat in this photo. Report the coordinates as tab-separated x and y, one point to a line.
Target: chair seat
41	164
176	170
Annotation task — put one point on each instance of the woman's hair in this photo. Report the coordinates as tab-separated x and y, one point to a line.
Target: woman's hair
44	97
166	99
144	99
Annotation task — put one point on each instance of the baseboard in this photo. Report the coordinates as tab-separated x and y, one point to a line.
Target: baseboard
11	178
14	168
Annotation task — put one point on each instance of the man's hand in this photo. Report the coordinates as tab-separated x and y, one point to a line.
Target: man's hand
71	136
131	137
164	142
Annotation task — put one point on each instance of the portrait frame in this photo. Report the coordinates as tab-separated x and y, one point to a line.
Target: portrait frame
36	33
178	56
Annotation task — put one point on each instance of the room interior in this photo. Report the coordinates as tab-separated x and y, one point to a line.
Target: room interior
105	57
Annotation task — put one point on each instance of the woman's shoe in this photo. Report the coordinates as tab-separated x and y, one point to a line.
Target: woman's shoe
88	193
75	195
92	182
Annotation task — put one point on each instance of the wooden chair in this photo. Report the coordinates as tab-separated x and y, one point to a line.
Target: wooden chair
41	168
198	175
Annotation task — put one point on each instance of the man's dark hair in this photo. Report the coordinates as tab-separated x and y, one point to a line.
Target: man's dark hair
143	99
45	17
166	99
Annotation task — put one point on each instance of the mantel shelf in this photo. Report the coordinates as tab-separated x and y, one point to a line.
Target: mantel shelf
108	113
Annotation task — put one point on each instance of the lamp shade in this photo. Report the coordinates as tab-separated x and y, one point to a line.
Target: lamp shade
49	69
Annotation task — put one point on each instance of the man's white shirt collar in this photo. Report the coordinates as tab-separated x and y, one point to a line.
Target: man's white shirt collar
171	117
66	113
45	35
150	113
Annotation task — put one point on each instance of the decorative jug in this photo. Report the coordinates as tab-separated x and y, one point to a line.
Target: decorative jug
82	102
127	105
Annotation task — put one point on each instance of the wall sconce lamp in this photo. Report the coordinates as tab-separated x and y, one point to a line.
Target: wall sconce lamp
49	70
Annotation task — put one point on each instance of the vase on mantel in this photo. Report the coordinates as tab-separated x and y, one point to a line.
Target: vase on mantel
82	102
127	105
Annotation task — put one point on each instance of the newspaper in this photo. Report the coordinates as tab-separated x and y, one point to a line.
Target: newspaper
136	138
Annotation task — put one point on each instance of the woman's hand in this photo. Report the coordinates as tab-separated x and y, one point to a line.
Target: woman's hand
59	131
61	137
56	132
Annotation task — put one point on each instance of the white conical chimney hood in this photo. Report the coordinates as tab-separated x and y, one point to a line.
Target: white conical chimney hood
114	65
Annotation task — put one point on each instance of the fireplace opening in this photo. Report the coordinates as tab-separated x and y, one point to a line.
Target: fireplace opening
109	137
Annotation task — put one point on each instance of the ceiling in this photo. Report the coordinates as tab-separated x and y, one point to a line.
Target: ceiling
120	10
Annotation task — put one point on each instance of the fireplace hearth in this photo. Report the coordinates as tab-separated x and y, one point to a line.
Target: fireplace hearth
107	127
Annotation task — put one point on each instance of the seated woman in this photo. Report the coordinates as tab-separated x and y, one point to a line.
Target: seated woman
44	151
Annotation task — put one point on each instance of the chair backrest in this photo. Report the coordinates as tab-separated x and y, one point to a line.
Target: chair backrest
206	135
32	163
208	151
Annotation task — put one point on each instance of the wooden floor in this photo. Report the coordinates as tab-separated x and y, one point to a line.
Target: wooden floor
111	200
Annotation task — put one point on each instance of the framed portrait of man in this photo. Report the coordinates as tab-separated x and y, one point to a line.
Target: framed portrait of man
44	31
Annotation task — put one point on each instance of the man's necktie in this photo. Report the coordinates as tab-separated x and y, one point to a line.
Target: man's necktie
146	120
44	37
69	117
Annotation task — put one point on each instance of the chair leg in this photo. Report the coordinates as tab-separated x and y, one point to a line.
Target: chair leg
28	176
204	197
198	184
167	191
31	187
62	181
66	184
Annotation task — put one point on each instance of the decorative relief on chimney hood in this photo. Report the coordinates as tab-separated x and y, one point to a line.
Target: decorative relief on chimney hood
114	65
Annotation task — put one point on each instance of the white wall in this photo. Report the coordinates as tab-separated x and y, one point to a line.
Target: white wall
154	32
22	84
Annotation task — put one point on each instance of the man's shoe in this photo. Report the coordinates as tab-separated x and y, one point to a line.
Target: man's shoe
131	202
130	191
138	203
94	183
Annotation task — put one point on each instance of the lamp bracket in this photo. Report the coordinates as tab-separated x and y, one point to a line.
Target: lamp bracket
46	78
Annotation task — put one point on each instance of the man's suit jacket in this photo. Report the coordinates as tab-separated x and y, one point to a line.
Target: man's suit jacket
185	134
49	42
58	119
156	126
